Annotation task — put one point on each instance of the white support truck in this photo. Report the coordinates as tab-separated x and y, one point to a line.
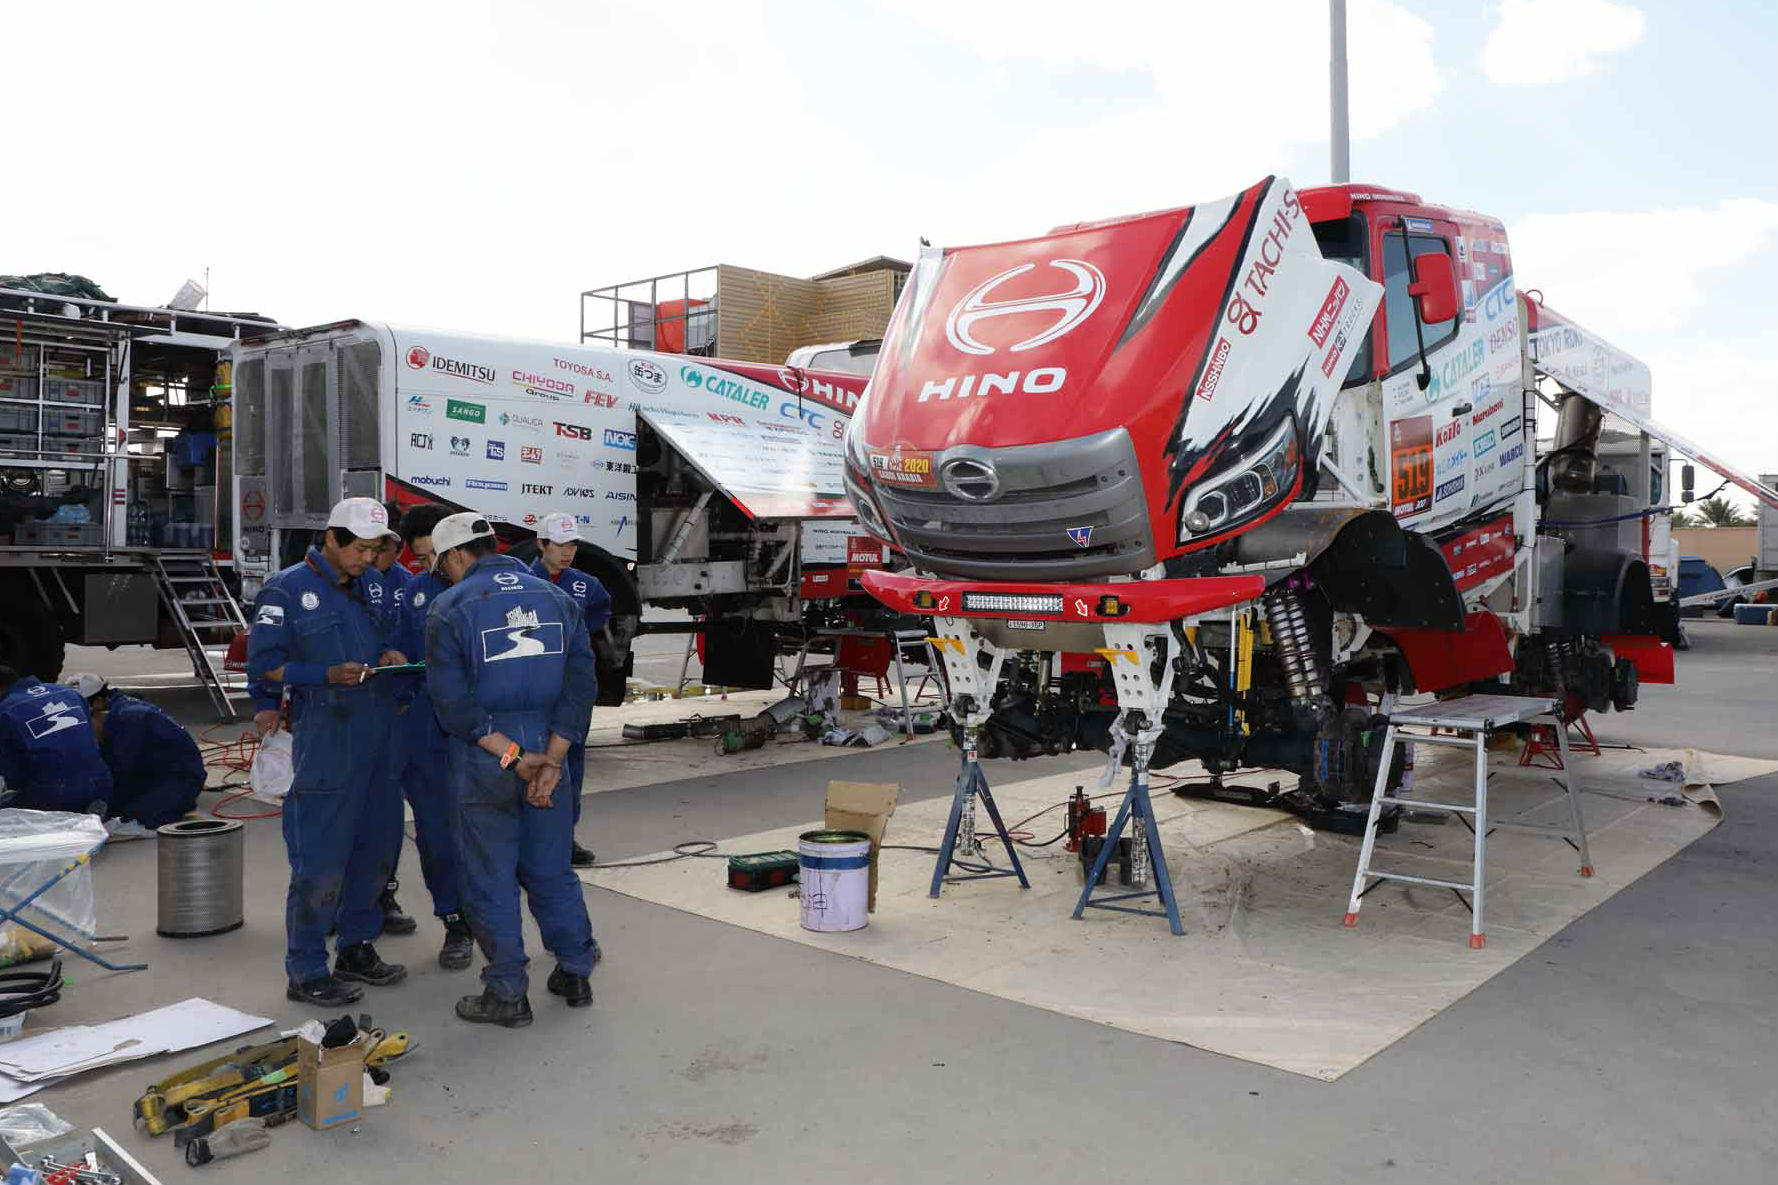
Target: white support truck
698	484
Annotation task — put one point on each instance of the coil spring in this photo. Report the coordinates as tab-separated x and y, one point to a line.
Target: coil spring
1289	620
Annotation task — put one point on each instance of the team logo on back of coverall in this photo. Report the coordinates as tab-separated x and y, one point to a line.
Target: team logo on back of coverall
54	718
523	636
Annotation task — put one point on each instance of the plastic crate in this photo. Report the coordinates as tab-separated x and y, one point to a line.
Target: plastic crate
19	420
17	386
46	534
89	392
70	421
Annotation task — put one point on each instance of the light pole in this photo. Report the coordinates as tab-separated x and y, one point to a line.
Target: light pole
1341	131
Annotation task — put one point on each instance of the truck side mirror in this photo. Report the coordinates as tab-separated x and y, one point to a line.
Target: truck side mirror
1687	476
1434	287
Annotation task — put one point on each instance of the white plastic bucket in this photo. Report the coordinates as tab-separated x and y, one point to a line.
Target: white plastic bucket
835	880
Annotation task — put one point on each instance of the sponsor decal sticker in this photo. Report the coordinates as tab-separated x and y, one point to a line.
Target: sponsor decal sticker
616	438
460	446
1512	454
1213	369
1447	488
420	440
476	483
1509	429
269	615
496	450
472	413
1410	461
530	454
1324	320
527	423
573	431
900	467
419	405
579	492
533	488
429	480
648	375
1484	444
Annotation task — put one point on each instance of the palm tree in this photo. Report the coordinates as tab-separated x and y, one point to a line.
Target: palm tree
1720	512
1685	518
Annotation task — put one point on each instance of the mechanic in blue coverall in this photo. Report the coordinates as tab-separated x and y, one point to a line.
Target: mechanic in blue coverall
557	542
315	634
424	763
156	768
49	756
512	678
385	587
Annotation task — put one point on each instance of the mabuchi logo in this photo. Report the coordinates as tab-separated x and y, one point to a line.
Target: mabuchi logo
1448	433
648	375
1213	371
531	488
429	480
1330	311
572	431
1067	308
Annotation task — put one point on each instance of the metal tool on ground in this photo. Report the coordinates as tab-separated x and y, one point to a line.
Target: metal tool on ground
1473	718
757	871
972	667
201	871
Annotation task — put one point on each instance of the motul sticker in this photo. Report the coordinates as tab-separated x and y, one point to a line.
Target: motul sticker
1213	371
1330	311
1410	460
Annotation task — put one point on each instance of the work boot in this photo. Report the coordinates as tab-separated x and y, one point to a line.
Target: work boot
361	962
324	992
396	920
580	857
490	1009
573	988
459	944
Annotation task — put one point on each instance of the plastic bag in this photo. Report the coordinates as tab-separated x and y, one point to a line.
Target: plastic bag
274	767
34	847
27	1123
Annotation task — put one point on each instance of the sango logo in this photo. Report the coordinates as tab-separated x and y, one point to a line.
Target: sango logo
1071	306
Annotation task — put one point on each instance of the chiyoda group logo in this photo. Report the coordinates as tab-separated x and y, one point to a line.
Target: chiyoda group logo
1068	308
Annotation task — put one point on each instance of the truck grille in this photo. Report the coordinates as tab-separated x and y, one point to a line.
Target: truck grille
1070	509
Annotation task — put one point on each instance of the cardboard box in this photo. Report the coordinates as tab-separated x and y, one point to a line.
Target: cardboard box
330	1083
866	807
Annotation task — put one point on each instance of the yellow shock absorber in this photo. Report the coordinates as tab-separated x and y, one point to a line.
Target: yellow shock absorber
1243	661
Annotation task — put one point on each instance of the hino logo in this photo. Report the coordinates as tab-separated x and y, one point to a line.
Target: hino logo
971	480
1041	381
1073	306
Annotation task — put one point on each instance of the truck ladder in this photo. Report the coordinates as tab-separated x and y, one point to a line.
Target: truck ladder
204	610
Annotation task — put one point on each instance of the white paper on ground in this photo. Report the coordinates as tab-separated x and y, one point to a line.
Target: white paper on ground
61	1052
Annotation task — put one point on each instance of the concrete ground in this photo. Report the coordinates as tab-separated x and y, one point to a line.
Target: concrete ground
1636	1045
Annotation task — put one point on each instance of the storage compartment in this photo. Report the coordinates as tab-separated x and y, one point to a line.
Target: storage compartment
17	386
16	419
47	534
90	392
72	421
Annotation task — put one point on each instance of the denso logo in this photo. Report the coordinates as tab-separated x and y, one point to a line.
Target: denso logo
429	480
1069	307
648	375
532	488
579	492
1330	311
1042	381
1448	433
617	439
542	381
573	431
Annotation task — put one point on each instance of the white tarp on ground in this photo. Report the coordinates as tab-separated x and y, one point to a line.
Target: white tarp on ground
1265	971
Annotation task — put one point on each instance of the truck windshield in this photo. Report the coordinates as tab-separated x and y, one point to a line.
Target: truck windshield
1343	241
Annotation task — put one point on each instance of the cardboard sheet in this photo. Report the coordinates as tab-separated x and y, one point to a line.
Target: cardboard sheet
1265	971
37	1060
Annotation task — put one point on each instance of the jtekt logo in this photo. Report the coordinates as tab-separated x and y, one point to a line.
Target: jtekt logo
1067	308
531	488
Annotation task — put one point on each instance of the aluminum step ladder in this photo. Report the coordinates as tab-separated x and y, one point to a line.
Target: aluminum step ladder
206	613
1472	718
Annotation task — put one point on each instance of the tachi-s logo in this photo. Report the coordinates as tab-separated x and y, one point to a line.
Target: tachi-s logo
1070	307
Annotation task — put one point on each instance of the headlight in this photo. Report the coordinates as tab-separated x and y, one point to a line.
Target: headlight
856	457
1251	487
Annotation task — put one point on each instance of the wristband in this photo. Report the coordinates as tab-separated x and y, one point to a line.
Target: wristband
511	756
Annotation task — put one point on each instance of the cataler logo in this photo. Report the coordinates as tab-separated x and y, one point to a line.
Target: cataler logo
474	413
1069	308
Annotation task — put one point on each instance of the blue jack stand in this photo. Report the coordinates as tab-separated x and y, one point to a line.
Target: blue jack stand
972	783
1137	806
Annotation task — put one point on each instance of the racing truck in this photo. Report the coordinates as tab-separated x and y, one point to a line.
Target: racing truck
1221	482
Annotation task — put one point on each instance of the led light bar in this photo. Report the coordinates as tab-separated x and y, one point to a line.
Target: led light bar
1027	603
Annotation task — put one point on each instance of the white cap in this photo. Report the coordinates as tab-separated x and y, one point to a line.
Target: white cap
558	528
364	517
87	683
458	529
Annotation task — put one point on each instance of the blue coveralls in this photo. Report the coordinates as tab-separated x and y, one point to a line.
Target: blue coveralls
306	622
588	591
156	768
48	754
423	769
508	652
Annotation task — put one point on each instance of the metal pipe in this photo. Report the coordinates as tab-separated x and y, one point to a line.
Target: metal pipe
1341	130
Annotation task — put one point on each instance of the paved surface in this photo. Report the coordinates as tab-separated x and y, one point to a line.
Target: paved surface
1636	1045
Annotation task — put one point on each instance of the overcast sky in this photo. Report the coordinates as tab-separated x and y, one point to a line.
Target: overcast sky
476	165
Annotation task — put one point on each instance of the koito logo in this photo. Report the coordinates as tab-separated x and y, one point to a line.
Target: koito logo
1070	307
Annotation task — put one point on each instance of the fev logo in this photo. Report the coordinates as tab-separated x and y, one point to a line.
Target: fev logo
473	413
648	375
1067	308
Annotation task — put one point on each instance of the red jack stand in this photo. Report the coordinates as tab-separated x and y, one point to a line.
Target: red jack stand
1540	744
